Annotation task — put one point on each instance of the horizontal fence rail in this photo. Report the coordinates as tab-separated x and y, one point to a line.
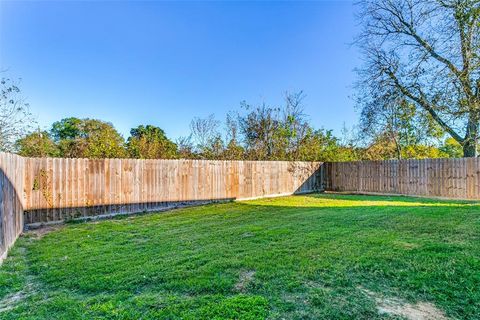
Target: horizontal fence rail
446	178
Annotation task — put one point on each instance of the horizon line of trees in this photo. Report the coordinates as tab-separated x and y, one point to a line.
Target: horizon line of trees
254	132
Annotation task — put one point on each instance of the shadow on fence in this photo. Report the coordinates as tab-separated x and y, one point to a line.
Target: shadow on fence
43	216
312	175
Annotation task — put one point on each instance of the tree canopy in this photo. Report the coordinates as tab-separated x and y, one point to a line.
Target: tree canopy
252	132
428	52
150	142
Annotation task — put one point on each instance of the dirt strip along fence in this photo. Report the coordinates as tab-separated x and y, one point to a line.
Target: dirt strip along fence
445	178
11	200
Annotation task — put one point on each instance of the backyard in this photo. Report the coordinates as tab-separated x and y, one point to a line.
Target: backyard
299	257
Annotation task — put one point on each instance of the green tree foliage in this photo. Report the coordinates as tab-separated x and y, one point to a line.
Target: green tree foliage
284	133
37	144
150	142
384	148
321	145
233	151
214	149
186	148
87	138
67	129
392	125
262	131
451	148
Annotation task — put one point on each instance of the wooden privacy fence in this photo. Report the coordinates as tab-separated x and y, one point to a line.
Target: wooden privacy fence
58	189
447	178
11	200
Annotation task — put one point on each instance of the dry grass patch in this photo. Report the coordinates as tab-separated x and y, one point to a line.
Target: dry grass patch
40	232
245	278
402	308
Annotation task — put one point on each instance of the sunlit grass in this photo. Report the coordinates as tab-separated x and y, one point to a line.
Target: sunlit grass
335	200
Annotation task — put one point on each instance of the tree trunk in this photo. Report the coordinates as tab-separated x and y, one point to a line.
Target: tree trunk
398	148
471	138
470	149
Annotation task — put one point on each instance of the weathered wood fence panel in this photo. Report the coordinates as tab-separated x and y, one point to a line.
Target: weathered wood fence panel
447	178
61	189
11	200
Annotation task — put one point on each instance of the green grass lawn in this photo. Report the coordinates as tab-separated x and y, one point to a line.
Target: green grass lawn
299	257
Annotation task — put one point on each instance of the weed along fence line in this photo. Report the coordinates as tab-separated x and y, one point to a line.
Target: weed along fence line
447	178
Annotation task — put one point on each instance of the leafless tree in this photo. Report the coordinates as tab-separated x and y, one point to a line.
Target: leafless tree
204	131
231	127
392	117
429	51
185	147
15	118
296	122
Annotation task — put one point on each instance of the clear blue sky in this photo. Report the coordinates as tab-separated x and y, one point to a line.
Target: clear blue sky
163	63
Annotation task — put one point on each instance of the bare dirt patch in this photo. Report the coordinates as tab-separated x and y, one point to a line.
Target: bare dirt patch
42	231
244	279
402	308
